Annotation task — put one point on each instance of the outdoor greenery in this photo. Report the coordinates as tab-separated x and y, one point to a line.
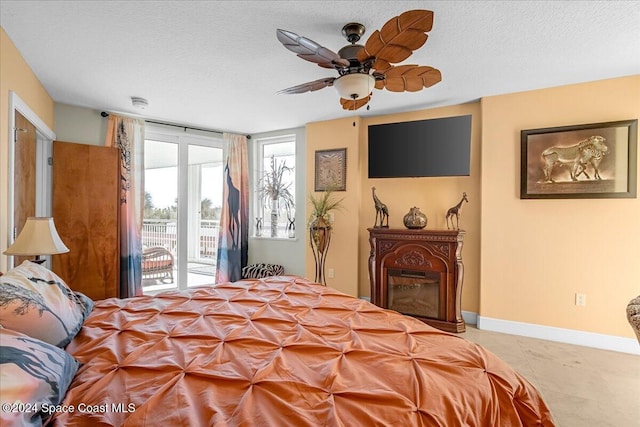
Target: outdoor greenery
171	212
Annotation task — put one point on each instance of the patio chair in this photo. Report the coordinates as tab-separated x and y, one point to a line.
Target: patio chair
157	263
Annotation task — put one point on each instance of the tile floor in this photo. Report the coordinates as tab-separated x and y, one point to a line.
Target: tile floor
583	386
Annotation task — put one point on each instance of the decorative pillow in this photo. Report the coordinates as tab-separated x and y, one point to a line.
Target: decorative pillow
36	302
33	376
259	271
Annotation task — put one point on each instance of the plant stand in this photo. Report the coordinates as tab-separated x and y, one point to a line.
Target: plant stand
320	237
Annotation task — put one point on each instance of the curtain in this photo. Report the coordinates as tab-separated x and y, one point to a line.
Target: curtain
233	238
127	135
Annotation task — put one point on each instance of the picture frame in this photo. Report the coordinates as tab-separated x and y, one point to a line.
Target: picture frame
331	170
586	161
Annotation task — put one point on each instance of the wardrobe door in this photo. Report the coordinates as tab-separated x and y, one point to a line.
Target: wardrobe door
86	213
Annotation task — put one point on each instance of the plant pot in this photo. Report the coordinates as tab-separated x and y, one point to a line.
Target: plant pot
274	218
320	237
320	233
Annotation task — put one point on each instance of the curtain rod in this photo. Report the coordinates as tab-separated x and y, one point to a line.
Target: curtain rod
105	114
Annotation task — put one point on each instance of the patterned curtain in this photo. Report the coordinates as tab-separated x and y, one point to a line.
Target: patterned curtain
127	135
233	240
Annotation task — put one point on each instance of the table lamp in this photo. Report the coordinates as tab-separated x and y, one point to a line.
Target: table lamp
38	237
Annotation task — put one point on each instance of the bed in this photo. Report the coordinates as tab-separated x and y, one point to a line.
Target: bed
282	351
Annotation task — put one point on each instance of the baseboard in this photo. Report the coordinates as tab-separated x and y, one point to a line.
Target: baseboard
551	333
567	336
470	318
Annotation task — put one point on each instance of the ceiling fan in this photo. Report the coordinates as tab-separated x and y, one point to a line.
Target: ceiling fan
361	68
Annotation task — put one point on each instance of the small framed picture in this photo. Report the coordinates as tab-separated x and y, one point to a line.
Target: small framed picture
581	162
331	170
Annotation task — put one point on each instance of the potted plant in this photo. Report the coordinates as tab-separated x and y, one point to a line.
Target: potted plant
320	228
275	190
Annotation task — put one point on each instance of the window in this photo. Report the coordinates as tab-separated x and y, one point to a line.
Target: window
275	185
183	200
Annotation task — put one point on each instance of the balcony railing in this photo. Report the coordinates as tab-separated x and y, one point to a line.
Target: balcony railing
163	232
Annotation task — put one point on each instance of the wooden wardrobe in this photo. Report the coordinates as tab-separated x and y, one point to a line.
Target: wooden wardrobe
86	212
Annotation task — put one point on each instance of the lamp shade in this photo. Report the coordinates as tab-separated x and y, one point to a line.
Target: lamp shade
38	237
354	86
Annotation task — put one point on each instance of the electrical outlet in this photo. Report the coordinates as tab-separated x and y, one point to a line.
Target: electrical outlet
331	216
581	299
330	273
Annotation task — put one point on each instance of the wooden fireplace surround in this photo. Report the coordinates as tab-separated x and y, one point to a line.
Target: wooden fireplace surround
432	251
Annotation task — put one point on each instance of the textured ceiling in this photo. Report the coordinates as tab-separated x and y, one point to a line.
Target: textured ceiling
218	64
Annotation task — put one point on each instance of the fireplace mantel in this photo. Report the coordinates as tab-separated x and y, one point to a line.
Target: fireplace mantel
418	273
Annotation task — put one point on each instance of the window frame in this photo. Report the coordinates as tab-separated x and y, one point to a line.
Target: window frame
183	138
258	167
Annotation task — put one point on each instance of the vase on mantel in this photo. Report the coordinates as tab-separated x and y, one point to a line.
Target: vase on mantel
415	219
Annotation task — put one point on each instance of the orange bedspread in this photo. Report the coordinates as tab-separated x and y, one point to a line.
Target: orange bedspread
284	352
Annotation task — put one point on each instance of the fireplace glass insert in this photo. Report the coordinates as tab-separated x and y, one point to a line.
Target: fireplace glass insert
414	293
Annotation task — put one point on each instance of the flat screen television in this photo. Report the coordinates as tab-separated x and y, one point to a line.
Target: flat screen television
435	147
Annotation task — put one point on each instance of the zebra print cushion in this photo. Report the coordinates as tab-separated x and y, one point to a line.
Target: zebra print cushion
258	271
37	302
34	374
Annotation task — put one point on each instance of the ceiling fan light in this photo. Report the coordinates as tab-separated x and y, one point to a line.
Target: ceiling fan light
354	86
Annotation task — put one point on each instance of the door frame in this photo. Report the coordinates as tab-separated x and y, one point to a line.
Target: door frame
183	139
44	147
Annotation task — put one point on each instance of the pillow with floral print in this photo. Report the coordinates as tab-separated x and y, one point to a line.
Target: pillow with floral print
34	376
37	302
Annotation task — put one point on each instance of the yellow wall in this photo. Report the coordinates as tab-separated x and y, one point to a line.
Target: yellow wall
524	259
536	254
350	239
433	195
343	250
16	76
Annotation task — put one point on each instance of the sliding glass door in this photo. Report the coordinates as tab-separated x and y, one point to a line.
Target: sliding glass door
204	206
183	199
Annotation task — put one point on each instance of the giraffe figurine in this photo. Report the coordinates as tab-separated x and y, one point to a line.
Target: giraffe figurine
381	211
455	211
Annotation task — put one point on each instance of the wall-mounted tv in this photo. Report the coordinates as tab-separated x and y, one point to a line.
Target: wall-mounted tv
436	147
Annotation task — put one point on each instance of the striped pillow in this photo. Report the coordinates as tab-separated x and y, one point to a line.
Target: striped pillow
259	271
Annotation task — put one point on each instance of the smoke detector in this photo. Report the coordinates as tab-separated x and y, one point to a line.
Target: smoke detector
138	102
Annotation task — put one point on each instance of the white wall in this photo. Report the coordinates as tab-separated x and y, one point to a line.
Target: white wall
79	124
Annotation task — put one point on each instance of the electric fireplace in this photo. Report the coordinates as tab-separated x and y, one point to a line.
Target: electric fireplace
418	273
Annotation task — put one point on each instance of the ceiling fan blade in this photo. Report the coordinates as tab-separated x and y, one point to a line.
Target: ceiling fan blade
399	37
311	51
409	78
381	66
309	86
350	104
